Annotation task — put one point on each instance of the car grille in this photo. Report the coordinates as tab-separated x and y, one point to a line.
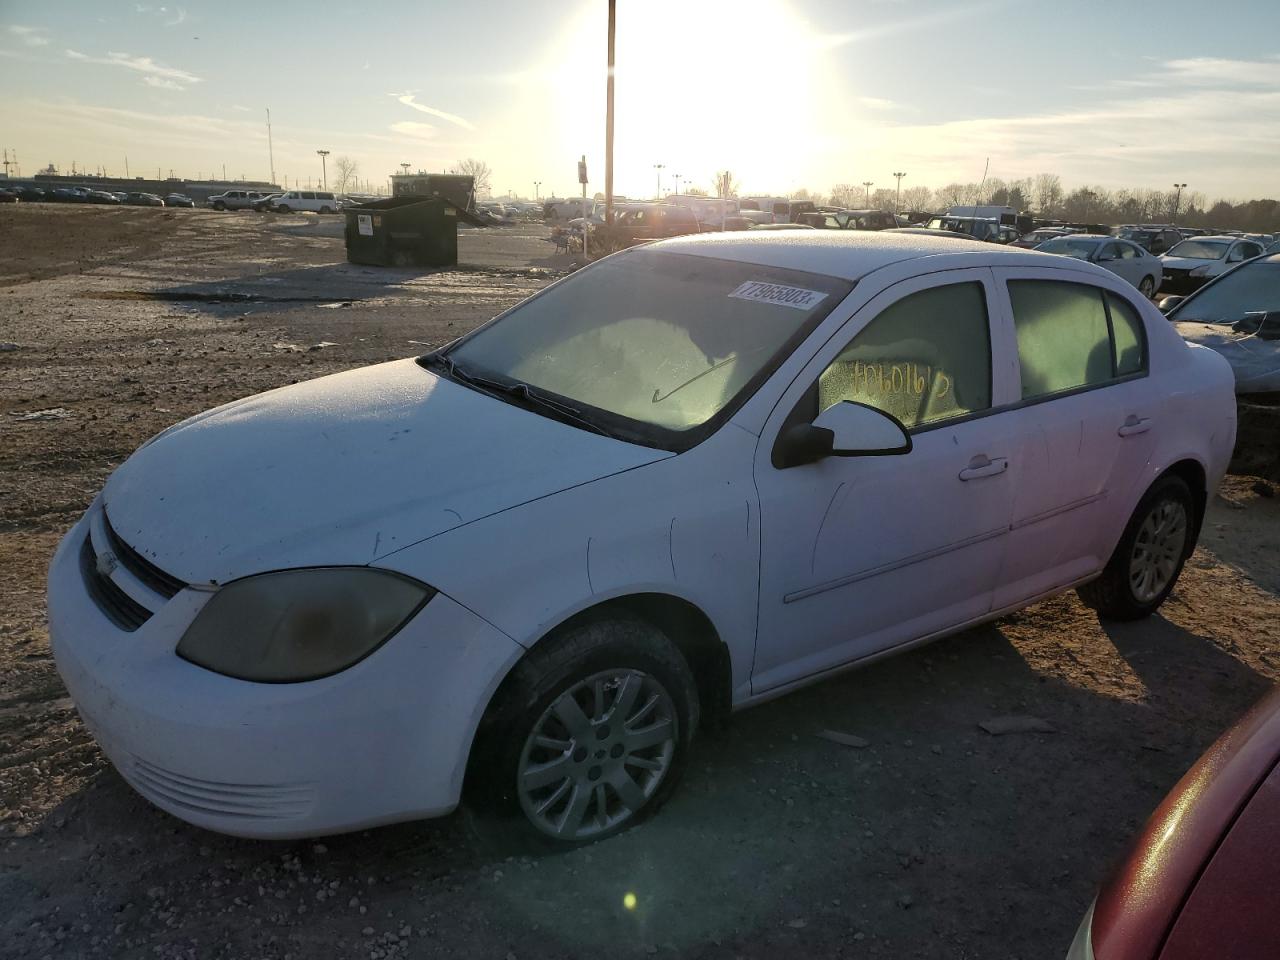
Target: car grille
243	801
1172	273
115	603
140	567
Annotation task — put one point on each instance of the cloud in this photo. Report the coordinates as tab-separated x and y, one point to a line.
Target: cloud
878	103
31	36
408	100
152	71
162	83
420	131
241	108
172	16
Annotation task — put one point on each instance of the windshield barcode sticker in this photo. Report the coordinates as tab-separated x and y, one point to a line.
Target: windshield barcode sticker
796	297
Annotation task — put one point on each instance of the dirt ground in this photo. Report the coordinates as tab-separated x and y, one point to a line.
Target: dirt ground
935	840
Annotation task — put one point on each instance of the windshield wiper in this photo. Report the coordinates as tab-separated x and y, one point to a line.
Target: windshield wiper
526	396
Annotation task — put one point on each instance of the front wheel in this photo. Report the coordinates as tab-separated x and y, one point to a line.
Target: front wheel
1147	287
281	208
590	735
219	206
1148	559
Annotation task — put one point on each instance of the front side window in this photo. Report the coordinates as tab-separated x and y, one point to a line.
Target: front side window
924	359
1064	338
653	343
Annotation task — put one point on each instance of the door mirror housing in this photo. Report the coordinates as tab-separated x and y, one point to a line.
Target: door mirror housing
1168	303
845	429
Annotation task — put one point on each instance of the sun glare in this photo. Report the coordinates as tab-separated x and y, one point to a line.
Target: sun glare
699	88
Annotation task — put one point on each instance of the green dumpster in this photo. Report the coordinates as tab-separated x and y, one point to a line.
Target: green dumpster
403	232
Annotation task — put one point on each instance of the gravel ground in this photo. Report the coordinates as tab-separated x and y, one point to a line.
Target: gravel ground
934	839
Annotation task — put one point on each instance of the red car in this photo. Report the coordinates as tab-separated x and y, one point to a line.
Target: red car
1203	878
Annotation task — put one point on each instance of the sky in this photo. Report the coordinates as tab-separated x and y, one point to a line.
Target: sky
786	94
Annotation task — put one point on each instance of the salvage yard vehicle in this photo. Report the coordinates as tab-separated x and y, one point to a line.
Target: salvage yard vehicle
142	200
1155	237
1200	879
234	199
178	200
1238	316
299	201
1190	264
1124	259
686	479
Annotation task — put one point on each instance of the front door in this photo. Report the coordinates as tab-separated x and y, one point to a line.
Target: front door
860	554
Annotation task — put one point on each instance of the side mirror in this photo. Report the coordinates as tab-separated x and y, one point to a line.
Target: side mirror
845	429
1168	303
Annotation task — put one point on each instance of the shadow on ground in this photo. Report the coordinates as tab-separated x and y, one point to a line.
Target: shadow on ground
936	840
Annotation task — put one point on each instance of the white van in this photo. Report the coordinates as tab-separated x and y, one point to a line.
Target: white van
296	201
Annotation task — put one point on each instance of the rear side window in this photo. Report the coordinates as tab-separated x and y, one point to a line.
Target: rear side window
1065	338
1128	336
924	359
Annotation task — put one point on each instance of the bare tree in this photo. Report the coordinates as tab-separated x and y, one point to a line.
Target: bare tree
952	195
345	172
726	186
917	198
695	192
477	169
884	198
1047	189
845	194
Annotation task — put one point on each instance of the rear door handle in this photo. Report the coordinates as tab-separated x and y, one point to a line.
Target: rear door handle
980	466
1134	425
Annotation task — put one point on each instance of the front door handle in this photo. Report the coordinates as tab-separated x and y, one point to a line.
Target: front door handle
1133	425
982	466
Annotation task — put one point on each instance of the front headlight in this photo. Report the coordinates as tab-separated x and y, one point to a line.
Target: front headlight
1199	271
300	624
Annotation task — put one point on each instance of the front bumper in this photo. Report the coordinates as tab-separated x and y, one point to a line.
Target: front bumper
1174	283
383	741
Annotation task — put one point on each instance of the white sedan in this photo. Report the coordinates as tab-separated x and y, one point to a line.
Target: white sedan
689	478
1191	264
1124	259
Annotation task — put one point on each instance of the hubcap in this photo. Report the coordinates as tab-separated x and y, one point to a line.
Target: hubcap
1158	548
597	754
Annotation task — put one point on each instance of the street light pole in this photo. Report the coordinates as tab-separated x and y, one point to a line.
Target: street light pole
658	167
324	173
536	194
868	184
677	176
897	204
1177	199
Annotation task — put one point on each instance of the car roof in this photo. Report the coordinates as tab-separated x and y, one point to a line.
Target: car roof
1224	238
847	254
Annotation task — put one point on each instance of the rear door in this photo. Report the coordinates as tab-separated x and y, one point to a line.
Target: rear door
1084	424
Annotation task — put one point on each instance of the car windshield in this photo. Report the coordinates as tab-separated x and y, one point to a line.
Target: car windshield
1251	288
1200	249
1080	249
652	345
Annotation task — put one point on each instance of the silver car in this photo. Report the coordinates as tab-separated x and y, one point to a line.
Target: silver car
1125	259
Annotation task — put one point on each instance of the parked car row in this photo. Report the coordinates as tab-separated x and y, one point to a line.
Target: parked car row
26	193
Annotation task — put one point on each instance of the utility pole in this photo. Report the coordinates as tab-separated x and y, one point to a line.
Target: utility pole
1177	199
608	120
126	166
6	164
323	171
868	184
658	167
271	152
224	173
897	205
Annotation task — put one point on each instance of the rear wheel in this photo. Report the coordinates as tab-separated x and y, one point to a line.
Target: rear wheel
1147	287
324	210
590	735
1148	559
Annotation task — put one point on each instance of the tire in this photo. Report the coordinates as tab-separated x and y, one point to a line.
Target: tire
325	210
282	208
552	767
1147	287
219	206
1149	557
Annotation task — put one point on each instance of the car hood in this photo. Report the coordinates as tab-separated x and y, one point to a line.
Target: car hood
1189	263
1254	361
342	470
